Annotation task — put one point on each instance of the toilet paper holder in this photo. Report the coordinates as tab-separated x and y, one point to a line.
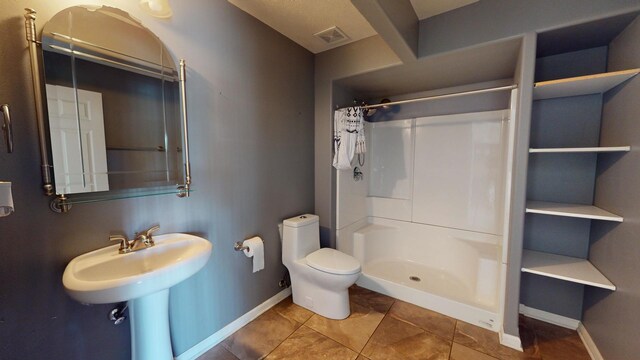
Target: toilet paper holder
239	247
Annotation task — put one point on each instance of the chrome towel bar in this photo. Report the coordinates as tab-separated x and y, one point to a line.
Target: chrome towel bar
31	35
6	127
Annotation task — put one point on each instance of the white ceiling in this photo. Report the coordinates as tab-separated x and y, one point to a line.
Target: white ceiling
300	19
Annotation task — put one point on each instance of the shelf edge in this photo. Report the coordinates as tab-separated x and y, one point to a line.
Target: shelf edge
631	72
575	215
600	149
566	278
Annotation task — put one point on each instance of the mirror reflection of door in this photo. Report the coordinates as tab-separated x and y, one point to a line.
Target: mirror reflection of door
77	140
126	133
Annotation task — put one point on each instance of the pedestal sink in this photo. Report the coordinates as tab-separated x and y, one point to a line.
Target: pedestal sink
142	278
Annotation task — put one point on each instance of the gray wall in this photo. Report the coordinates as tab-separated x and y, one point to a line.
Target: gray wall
488	20
250	95
612	318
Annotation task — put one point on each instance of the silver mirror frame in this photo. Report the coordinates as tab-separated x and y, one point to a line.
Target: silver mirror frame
61	203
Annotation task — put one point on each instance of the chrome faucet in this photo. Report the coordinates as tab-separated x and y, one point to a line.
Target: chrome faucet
143	240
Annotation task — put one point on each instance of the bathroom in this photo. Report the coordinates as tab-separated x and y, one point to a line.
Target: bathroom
260	136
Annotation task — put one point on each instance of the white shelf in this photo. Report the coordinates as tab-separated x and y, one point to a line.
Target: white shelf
581	150
571	210
564	268
581	85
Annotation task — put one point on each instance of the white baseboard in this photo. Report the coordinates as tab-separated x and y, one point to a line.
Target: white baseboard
511	341
213	340
545	316
592	349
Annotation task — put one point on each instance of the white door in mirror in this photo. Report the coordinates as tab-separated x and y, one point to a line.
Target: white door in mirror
77	140
6	199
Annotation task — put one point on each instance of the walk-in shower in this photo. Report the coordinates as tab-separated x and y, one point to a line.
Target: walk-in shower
428	219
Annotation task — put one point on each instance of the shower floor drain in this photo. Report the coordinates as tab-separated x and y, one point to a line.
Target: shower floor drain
414	278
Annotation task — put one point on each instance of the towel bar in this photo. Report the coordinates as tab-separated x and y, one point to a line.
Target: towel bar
6	126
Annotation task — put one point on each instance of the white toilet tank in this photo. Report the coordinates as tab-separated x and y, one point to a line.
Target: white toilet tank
300	237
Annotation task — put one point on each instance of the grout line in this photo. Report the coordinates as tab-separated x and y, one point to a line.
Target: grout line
428	331
283	340
376	329
482	350
288	336
453	337
232	354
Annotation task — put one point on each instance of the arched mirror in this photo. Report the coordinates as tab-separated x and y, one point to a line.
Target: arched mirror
114	108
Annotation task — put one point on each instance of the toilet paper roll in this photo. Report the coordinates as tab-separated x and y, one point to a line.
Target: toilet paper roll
6	200
255	249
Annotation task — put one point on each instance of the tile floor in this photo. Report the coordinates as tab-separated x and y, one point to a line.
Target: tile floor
381	327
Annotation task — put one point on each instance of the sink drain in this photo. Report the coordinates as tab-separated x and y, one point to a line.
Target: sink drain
414	278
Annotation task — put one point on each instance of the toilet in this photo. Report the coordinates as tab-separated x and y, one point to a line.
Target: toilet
320	278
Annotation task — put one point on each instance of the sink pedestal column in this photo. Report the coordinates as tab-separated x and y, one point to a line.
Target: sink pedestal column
150	336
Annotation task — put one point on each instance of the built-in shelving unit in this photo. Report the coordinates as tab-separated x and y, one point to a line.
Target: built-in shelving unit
564	268
580	101
581	85
582	149
571	210
556	266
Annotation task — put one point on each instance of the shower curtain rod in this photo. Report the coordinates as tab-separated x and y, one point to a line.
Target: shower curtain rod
444	96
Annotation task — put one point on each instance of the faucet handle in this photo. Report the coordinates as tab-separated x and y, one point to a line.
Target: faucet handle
151	230
146	235
124	243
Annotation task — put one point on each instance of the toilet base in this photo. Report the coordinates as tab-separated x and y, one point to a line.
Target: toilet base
328	303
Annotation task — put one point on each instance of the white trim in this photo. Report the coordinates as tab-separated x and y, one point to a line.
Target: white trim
213	340
592	349
580	150
571	210
509	340
551	318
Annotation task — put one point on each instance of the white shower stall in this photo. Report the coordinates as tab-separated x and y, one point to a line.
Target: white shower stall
428	220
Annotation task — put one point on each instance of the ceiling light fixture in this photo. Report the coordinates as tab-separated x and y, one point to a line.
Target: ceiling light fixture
157	8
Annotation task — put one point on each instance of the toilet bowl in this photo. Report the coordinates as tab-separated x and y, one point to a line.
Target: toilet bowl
320	278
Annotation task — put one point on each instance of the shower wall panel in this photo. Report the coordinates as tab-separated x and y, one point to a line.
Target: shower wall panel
351	202
459	171
391	154
391	171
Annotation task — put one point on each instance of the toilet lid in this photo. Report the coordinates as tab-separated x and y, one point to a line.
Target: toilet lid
333	261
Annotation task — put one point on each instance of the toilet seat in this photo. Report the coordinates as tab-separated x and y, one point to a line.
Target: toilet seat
333	261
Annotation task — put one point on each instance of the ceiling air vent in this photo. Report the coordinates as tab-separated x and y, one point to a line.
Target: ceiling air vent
332	35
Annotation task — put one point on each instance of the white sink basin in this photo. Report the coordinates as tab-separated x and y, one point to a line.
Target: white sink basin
105	276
